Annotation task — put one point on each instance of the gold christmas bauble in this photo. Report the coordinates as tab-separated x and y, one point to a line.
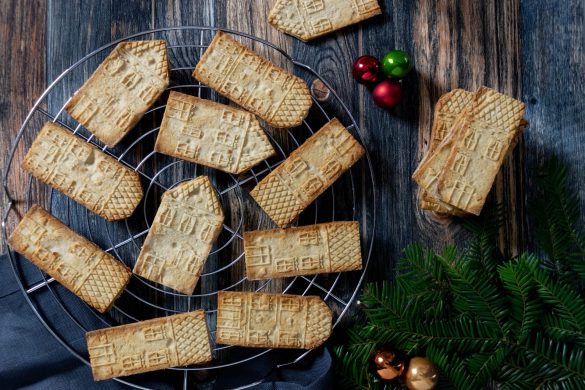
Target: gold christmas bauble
386	364
421	374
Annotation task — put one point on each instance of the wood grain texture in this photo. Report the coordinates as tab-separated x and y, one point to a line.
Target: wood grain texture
530	49
468	44
553	52
22	80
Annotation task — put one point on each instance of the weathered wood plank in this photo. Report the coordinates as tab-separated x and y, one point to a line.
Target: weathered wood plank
454	44
553	52
22	80
459	44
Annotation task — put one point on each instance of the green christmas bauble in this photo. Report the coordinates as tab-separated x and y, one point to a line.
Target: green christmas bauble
396	64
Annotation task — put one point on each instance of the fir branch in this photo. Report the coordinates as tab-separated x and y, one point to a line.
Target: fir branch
484	365
466	335
557	328
562	299
516	377
424	279
474	291
554	360
520	323
525	311
351	373
483	245
557	215
561	198
452	370
386	306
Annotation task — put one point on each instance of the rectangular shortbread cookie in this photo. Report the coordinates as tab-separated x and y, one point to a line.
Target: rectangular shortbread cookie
306	250
121	89
177	340
307	172
309	19
272	320
84	173
211	134
280	98
186	225
484	137
449	108
78	264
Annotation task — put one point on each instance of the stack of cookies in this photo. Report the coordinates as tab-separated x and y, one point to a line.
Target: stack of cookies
472	134
190	215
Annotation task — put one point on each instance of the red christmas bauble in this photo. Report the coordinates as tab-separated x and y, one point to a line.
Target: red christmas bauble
387	94
366	70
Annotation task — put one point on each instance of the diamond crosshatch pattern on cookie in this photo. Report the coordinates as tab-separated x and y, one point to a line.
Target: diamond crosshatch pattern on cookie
307	172
275	95
309	19
78	264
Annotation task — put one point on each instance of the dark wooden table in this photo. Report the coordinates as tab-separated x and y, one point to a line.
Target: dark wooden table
531	49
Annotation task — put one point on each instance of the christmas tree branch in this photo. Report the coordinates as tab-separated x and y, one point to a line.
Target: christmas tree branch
482	320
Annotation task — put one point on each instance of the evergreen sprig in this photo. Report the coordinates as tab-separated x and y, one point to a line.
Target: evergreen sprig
484	321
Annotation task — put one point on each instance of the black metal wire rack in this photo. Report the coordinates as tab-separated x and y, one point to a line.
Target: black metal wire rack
353	197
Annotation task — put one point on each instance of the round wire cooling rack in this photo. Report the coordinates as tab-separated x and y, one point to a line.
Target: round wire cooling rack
352	197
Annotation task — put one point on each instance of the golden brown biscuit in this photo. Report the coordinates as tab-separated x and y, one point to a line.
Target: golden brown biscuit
485	135
211	134
306	250
449	106
272	320
177	340
309	19
445	115
78	264
280	98
121	89
307	172
84	173
186	225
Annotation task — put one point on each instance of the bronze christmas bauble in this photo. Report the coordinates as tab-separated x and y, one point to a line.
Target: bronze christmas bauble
421	374
387	364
